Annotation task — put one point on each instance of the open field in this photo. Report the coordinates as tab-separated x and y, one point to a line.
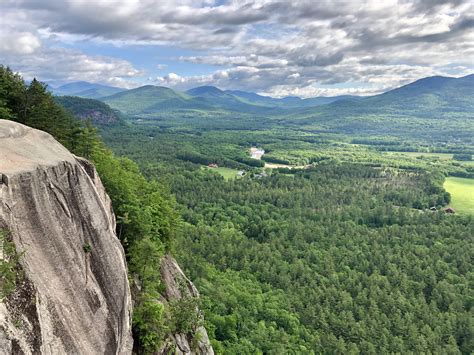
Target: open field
276	166
462	194
440	156
227	173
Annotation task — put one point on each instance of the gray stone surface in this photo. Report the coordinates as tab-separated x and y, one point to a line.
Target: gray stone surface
53	204
174	279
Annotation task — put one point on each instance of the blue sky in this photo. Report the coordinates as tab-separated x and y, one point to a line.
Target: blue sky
300	47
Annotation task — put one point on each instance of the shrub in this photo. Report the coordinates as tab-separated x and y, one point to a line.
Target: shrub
10	272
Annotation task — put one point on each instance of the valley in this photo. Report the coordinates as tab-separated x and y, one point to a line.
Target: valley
291	259
279	258
301	234
224	177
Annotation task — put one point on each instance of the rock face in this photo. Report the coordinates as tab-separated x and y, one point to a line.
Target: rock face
88	109
74	297
177	287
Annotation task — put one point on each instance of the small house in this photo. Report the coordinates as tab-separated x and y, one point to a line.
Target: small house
449	210
433	209
213	165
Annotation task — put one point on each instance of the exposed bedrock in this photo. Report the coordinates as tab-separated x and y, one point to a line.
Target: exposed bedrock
74	297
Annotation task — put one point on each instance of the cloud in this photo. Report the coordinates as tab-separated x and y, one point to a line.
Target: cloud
71	65
18	42
302	47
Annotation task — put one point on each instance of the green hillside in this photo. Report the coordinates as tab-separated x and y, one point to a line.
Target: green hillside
432	108
86	90
85	109
433	97
151	99
226	100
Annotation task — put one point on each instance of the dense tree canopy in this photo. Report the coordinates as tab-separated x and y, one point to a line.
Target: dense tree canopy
338	258
328	261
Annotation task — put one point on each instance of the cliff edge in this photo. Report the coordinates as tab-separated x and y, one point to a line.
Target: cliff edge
178	287
73	296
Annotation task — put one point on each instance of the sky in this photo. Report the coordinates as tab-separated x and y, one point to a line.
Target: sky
280	48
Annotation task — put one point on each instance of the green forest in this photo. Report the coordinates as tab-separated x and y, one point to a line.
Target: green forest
338	258
344	248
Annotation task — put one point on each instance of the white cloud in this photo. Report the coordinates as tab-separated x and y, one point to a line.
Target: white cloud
72	65
13	42
299	47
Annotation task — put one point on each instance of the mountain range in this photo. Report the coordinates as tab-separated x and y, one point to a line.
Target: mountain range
151	99
85	90
428	98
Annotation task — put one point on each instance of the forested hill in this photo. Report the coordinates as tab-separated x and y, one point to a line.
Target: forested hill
435	108
151	99
434	97
86	90
429	96
89	109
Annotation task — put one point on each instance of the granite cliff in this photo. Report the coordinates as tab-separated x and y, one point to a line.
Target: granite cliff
72	294
177	287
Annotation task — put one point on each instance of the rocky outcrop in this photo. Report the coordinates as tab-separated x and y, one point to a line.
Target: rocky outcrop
74	297
177	287
89	109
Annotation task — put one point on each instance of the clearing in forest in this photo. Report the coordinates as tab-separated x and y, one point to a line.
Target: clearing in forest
462	194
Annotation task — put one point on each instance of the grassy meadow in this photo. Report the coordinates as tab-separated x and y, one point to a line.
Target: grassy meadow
462	194
226	173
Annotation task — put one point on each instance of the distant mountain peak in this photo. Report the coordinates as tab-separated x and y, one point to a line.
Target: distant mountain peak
205	90
86	90
152	87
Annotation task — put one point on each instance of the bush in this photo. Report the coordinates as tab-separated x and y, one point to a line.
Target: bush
462	157
185	315
10	272
149	324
